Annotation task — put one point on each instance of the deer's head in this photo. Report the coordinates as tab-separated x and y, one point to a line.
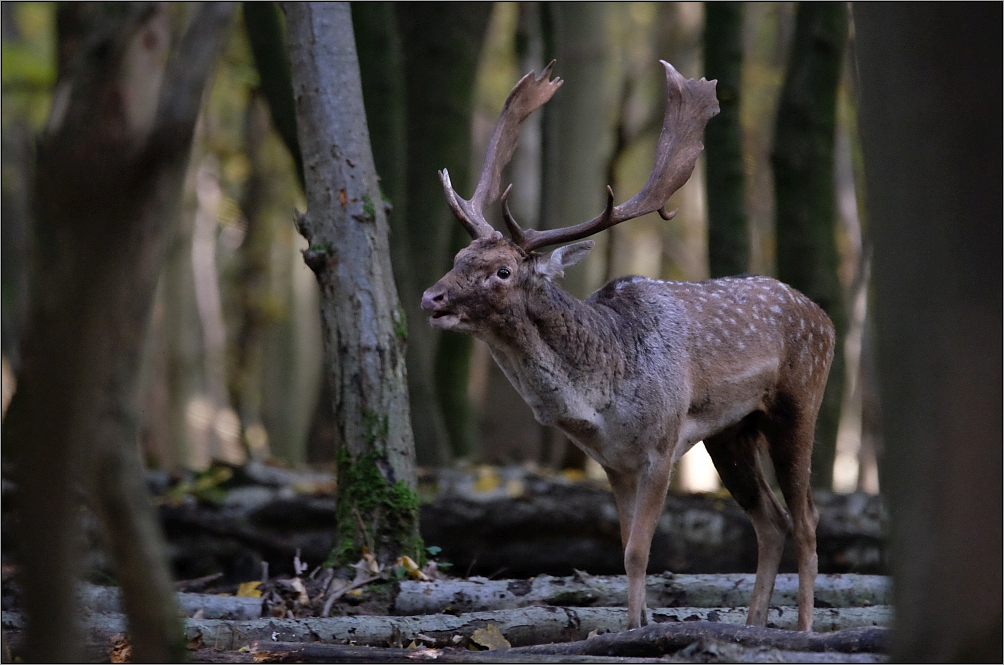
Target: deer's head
491	280
493	276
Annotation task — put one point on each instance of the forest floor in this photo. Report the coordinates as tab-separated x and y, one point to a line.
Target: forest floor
241	539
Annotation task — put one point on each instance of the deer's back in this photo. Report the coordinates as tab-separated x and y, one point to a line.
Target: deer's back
722	348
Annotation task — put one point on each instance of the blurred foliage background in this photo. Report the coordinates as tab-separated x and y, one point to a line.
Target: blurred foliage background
232	368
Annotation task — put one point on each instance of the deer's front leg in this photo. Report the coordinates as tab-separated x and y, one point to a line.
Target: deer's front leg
640	499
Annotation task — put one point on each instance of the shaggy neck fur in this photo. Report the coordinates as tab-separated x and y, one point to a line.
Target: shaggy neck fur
567	354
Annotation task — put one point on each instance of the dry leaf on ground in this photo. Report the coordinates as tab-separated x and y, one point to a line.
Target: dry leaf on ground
490	637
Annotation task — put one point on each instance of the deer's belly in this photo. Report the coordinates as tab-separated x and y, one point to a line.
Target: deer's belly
727	401
700	426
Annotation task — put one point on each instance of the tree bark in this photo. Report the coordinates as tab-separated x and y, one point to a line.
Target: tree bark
931	136
666	590
725	183
346	227
803	161
381	65
110	169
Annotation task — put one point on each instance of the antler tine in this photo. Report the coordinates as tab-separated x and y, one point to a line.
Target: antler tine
515	232
529	94
690	104
475	224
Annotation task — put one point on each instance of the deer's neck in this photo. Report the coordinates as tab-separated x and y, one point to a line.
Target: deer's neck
565	357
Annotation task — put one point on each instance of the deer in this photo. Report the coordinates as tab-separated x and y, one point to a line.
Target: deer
641	370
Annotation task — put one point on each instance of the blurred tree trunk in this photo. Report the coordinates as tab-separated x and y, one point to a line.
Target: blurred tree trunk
254	273
181	331
294	356
728	230
931	135
14	239
17	173
440	43
219	432
579	136
266	37
349	252
803	161
580	125
506	423
109	174
679	36
271	59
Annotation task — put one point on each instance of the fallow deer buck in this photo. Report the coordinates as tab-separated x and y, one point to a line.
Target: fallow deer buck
643	369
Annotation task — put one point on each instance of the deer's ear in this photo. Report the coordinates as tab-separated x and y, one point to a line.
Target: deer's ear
553	265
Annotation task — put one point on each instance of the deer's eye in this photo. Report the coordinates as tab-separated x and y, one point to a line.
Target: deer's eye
503	273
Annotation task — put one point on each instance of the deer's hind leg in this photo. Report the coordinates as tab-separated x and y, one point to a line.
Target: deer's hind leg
791	452
734	453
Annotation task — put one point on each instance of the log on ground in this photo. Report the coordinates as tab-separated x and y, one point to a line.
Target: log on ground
665	590
108	600
703	650
658	639
553	527
520	627
531	524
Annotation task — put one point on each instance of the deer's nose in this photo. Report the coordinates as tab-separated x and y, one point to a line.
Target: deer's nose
434	297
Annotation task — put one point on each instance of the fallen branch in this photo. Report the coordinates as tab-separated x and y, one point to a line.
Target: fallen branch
703	651
198	584
108	600
666	590
330	653
658	639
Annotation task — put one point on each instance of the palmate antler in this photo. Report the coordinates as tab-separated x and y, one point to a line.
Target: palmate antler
690	104
528	95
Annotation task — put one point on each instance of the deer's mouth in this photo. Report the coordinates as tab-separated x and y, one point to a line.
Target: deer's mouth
444	318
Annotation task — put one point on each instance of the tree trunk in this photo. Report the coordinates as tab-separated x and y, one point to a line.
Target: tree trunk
441	43
931	136
803	161
728	230
507	429
268	46
110	170
579	127
254	268
579	135
346	227
266	37
381	63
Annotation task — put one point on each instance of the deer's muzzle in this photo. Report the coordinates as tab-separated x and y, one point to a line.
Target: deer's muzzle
434	300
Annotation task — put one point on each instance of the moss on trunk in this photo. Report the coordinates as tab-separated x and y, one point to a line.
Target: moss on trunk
374	512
